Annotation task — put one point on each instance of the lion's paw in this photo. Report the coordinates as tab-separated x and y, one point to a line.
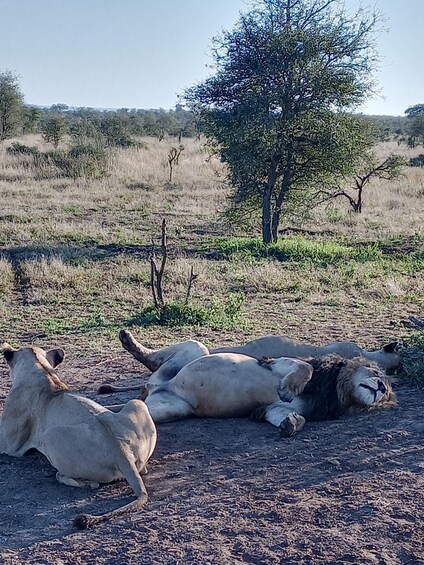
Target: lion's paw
291	424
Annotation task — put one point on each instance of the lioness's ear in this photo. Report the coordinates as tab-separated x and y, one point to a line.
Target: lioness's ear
8	351
390	347
55	357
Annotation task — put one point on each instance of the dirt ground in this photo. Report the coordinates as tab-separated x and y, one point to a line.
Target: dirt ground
232	491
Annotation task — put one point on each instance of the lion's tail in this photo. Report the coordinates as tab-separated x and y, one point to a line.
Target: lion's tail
108	389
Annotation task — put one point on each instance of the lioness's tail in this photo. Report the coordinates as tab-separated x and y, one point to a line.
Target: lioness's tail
128	468
83	521
125	462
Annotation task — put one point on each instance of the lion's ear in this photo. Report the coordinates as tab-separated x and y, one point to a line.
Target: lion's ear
8	352
390	347
55	357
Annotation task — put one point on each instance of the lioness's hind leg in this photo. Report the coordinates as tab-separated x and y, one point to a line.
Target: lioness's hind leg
70	482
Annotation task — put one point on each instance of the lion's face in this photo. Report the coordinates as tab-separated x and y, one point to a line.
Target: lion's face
370	386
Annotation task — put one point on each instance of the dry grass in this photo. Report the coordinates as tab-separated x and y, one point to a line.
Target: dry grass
390	208
75	253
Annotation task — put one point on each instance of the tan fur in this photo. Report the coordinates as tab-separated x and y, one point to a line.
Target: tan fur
284	391
40	413
281	346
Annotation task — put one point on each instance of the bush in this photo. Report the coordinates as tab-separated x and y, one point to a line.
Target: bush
412	354
20	149
81	161
54	130
90	161
219	315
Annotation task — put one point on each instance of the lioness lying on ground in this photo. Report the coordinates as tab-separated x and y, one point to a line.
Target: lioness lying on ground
84	441
282	391
280	346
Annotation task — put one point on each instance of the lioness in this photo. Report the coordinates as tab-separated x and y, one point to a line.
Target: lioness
280	346
283	391
84	441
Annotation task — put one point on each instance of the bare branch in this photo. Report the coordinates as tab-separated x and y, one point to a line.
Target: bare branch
159	273
191	278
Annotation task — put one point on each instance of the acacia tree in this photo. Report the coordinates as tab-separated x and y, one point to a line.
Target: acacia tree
352	189
276	109
54	129
11	105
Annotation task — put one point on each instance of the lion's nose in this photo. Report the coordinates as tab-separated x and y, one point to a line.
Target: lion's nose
382	387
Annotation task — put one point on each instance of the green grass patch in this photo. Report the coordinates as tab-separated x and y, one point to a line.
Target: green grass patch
218	315
412	354
296	248
408	255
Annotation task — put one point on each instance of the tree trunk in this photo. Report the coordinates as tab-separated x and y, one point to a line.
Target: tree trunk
266	203
358	207
278	206
266	215
285	186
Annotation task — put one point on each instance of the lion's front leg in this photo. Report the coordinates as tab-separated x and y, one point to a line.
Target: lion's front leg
281	415
293	384
293	423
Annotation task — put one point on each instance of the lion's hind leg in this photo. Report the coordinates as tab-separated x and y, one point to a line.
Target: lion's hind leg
281	415
293	384
164	406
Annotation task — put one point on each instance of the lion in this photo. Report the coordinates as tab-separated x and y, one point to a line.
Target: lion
283	391
85	442
165	363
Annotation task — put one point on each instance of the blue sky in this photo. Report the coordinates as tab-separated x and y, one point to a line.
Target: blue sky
143	53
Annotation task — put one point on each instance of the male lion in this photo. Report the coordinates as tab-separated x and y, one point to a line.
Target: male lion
165	363
84	441
338	386
283	391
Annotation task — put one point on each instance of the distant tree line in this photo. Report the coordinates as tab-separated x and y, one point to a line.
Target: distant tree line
158	123
118	126
18	118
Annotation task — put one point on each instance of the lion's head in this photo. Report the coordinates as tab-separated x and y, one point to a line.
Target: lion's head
362	384
340	386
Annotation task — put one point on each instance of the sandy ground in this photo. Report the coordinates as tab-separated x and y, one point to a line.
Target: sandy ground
232	491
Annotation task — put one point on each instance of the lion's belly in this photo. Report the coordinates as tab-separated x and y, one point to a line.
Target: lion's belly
225	388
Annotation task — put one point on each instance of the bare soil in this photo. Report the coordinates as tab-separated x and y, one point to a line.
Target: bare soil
233	491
